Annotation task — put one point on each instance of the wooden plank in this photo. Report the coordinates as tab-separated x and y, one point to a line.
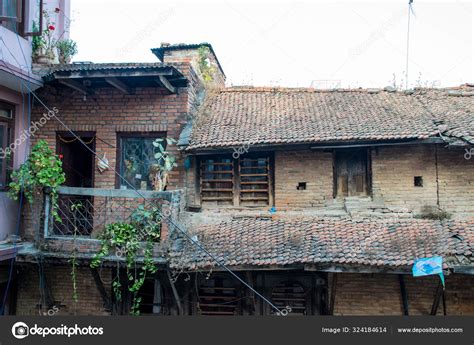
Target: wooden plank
227	190
252	175
166	71
115	193
217	198
254	190
255	199
217	172
216	181
207	163
254	182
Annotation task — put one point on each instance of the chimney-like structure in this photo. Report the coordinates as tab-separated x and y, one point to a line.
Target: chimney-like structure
200	56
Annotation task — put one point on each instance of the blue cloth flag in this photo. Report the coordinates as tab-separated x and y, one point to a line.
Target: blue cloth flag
428	266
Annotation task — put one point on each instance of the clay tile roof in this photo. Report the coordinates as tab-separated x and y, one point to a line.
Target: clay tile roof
240	115
388	243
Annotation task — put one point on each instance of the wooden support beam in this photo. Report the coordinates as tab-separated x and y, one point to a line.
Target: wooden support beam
403	292
75	85
166	84
103	292
437	298
333	294
175	293
118	84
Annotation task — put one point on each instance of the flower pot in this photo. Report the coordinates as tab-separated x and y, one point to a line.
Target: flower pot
64	59
44	59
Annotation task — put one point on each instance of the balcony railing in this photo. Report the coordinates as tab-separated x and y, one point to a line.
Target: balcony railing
86	211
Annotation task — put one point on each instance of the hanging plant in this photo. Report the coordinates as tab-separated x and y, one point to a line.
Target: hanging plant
42	172
125	238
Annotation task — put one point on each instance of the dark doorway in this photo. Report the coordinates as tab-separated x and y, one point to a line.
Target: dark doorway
351	171
78	160
76	211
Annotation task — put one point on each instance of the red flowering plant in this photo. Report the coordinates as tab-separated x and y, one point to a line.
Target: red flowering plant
45	44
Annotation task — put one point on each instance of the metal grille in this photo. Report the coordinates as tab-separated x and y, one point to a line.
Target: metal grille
138	154
88	215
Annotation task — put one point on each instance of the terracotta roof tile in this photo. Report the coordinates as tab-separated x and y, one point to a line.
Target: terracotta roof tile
256	242
236	116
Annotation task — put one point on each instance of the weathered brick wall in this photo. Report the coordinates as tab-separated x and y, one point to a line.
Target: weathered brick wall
379	294
313	167
456	187
109	112
394	169
59	280
191	56
393	173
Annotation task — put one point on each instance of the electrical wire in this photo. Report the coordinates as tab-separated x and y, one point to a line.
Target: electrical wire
171	222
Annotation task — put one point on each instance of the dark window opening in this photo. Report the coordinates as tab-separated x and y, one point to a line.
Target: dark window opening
136	160
301	186
418	181
7	124
290	296
218	296
151	295
351	172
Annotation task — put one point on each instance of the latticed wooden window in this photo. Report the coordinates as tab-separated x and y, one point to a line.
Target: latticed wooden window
219	296
245	181
254	174
217	180
290	295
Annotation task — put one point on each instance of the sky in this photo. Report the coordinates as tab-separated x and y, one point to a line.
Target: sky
321	44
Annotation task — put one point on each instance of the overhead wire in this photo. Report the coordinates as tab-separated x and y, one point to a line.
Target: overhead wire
170	221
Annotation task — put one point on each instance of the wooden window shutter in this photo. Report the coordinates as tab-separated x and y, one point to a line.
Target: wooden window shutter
255	182
216	180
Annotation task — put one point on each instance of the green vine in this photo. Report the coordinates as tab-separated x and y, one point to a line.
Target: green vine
125	238
42	170
205	66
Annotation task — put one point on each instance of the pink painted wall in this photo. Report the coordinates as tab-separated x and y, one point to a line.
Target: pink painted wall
8	207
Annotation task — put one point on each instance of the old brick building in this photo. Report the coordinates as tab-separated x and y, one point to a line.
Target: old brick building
319	199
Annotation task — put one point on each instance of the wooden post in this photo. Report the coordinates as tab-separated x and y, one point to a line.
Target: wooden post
403	292
333	294
175	293
438	295
103	293
47	215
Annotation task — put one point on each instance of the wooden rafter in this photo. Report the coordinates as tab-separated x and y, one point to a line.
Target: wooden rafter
75	85
166	84
118	84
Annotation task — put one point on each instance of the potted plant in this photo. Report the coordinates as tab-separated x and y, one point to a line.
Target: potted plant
67	48
43	46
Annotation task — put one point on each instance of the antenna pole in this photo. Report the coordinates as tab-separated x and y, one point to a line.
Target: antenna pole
408	43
